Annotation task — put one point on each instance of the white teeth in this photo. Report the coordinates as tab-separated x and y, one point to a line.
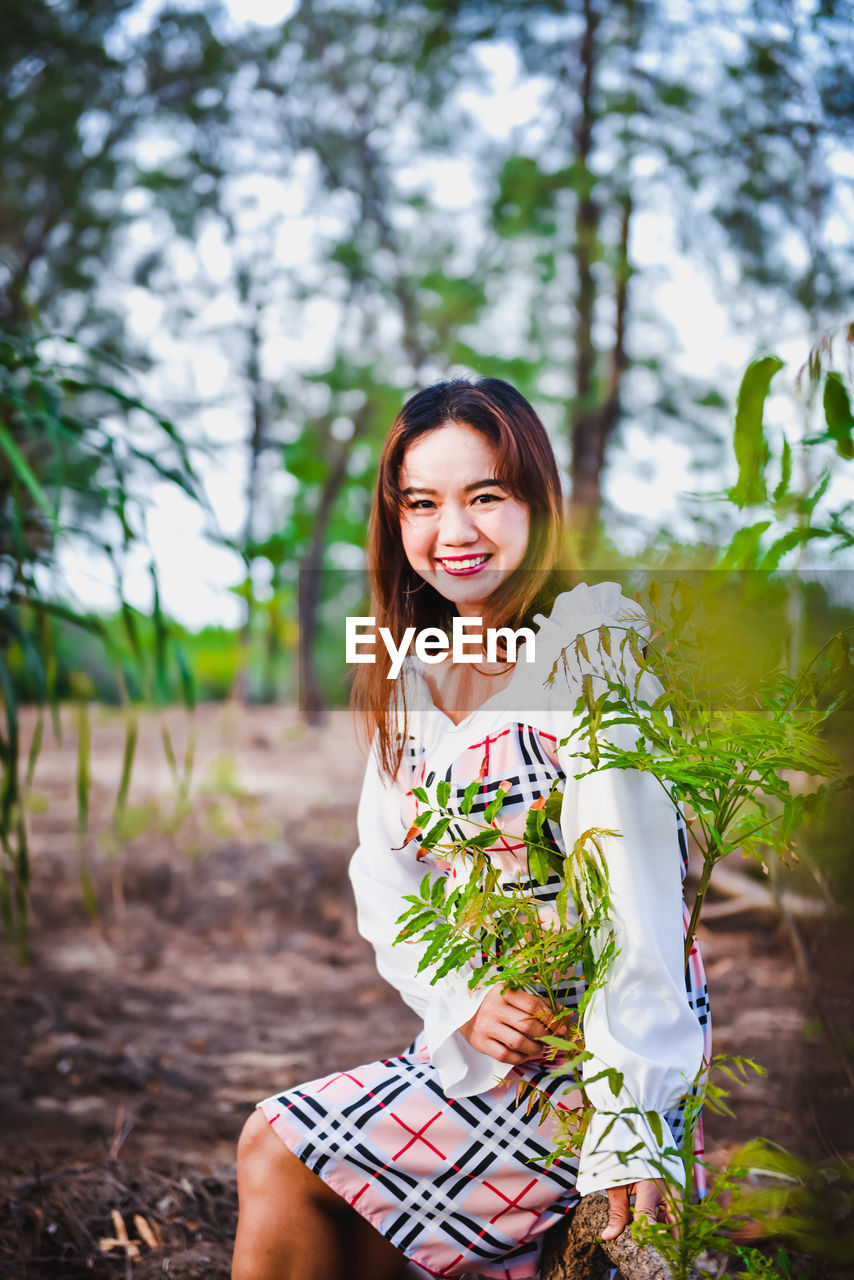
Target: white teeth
465	564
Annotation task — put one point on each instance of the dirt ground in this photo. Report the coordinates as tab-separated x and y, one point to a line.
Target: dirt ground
224	964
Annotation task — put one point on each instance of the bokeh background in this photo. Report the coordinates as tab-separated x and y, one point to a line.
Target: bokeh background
233	238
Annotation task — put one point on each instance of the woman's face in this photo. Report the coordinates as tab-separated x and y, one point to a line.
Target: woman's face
462	531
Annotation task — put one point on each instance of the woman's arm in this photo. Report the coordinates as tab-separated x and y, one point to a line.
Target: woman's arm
640	1021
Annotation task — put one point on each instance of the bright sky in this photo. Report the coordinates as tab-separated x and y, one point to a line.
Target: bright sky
645	480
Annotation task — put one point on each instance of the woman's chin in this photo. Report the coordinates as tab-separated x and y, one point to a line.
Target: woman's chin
468	590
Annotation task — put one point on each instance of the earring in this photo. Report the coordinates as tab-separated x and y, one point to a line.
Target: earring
414	589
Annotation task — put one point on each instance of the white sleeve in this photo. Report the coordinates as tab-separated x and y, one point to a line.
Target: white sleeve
382	874
640	1021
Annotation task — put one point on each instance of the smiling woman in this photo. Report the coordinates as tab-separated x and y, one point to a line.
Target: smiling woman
431	1162
469	534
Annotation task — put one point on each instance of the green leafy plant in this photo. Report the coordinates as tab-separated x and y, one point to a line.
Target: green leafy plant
76	450
792	516
494	923
711	1222
724	749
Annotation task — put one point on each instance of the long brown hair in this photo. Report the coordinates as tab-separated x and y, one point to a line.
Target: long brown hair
400	598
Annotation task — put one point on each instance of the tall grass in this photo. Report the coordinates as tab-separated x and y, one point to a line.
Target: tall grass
77	451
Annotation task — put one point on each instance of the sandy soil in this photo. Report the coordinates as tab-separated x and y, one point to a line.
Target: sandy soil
224	964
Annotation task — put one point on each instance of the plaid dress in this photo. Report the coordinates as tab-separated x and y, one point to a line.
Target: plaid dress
434	1146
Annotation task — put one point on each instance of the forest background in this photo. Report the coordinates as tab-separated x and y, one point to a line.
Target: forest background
233	238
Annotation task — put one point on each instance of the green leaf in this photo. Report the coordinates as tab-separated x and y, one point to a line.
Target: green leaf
554	806
635	649
421	794
743	550
654	1122
443	792
84	775
437	892
468	798
24	473
794	538
751	449
837	414
534	820
785	472
538	863
494	806
434	835
483	840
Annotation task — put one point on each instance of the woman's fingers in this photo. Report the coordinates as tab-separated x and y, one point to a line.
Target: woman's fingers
619	1212
526	1003
648	1198
518	1042
508	1025
498	1050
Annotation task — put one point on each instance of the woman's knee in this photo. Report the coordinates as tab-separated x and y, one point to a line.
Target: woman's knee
265	1165
260	1154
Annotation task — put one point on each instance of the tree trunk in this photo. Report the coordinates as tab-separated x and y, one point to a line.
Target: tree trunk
583	467
257	445
310	694
593	414
593	427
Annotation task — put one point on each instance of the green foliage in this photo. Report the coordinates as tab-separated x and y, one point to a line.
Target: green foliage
805	1204
496	927
756	1266
78	449
492	923
793	517
199	665
79	86
711	1223
837	414
751	450
721	741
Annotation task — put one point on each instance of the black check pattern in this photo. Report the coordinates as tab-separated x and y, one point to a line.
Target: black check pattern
498	1140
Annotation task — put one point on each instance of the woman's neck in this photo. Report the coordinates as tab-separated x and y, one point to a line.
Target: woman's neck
458	688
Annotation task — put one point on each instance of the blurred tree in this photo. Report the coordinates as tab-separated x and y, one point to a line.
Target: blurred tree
722	123
779	193
341	93
83	88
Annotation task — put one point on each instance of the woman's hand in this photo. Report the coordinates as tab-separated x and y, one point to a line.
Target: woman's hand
507	1026
649	1200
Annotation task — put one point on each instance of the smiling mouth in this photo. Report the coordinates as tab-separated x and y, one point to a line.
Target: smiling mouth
460	566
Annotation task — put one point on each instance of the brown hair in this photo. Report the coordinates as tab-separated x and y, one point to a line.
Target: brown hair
400	598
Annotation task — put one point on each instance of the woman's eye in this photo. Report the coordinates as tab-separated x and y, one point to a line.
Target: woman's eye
427	504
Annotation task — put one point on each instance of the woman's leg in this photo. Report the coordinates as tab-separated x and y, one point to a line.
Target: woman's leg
292	1226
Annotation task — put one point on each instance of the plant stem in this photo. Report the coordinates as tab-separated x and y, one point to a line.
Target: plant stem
709	863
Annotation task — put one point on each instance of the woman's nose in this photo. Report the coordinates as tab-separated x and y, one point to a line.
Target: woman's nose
456	526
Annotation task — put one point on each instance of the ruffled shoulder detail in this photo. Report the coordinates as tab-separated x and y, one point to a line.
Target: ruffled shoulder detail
584	609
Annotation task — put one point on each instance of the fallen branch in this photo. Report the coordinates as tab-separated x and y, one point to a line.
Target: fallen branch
751	895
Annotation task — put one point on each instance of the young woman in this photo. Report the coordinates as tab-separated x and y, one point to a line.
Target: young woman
429	1156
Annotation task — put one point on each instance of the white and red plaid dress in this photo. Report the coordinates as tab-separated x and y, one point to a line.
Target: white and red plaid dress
432	1146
